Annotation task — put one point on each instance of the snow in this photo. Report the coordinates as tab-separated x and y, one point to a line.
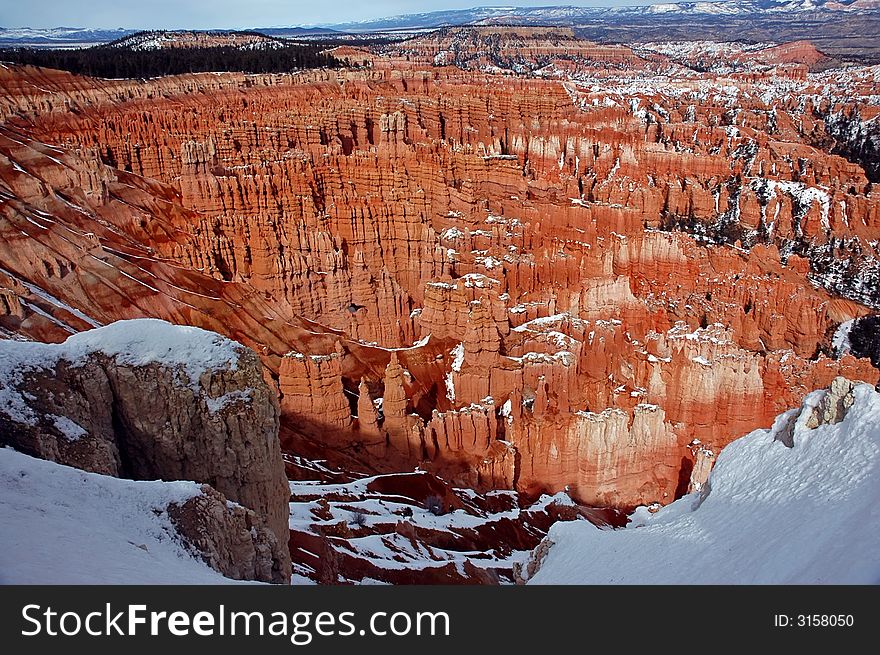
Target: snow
564	357
769	515
488	262
479	281
840	342
442	285
574	15
451	233
69	429
421	342
457	362
715	333
723	50
64	326
458	357
37	291
62	35
67	526
543	322
140	342
237	396
662	8
377	509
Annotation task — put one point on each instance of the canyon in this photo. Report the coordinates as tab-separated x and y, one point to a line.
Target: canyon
542	273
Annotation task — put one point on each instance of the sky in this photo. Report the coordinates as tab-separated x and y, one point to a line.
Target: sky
234	14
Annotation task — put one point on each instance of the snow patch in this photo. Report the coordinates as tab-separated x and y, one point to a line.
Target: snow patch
458	357
457	362
70	430
231	398
840	342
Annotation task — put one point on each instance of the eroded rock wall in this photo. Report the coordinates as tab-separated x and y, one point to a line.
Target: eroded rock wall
463	269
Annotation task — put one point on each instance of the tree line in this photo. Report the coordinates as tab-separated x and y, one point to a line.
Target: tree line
113	61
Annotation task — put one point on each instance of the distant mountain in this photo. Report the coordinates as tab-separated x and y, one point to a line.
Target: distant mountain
568	15
297	32
58	37
606	23
78	37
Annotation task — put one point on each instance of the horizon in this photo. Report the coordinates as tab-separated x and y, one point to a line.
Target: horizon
202	14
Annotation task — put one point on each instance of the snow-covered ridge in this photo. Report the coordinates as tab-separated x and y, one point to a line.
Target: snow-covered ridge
769	514
159	40
568	15
136	342
547	15
686	49
397	533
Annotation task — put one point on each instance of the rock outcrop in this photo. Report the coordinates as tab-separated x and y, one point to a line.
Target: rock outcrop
231	538
833	405
825	407
147	400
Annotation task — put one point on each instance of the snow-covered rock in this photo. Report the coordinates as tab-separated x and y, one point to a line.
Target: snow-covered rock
809	513
148	400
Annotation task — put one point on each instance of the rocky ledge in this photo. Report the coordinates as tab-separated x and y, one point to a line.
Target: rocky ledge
146	400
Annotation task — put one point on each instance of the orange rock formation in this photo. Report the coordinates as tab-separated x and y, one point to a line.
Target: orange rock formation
531	282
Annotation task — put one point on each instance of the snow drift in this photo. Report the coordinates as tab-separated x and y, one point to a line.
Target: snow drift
66	526
771	514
